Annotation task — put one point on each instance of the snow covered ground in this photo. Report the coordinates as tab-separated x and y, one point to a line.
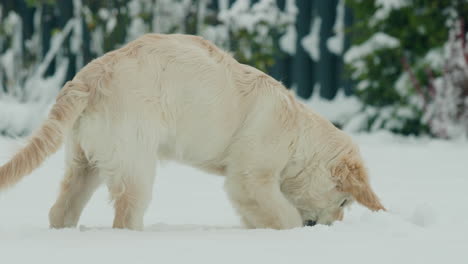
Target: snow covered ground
422	182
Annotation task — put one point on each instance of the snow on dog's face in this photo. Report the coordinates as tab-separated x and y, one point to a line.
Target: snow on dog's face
321	194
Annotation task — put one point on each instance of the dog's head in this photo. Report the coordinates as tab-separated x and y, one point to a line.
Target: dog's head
321	193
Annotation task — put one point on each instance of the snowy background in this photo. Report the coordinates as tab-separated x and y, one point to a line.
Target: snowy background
421	180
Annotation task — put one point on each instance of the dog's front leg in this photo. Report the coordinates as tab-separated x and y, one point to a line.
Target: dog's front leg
259	200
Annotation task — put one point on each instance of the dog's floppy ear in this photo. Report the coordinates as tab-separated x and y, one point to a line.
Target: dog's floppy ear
351	177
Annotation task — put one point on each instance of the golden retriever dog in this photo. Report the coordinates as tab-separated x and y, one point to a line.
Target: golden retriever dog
179	97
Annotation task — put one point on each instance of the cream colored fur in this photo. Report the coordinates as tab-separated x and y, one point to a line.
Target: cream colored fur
179	97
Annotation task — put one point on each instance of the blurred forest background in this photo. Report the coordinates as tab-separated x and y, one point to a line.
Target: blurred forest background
404	60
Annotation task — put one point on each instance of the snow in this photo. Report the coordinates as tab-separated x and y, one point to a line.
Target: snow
243	15
23	108
77	34
136	29
378	41
341	109
201	14
336	42
6	61
447	110
111	23
169	16
403	84
355	54
311	42
288	41
435	58
384	7
246	24
97	41
103	14
11	58
19	118
422	182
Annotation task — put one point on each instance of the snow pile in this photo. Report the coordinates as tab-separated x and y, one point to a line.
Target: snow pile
384	7
259	21
242	15
447	111
288	41
311	42
357	53
169	16
335	43
422	182
378	41
255	32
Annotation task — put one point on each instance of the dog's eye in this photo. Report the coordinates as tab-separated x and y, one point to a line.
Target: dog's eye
343	203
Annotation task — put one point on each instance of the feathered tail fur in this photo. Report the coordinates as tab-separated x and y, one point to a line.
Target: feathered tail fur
70	103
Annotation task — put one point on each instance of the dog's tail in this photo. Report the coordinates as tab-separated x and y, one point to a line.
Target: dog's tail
70	103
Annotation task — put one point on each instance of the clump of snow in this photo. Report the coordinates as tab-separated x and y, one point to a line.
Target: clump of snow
403	83
242	15
288	40
32	93
137	26
11	61
134	7
239	13
378	41
354	55
77	34
19	118
169	16
447	112
335	43
384	7
202	11
311	42
244	25
97	40
103	13
218	34
136	29
435	58
111	23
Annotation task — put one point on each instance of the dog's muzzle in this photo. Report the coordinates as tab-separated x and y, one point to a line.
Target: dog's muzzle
310	223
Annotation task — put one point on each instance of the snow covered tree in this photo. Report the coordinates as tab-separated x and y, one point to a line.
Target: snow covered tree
447	109
394	43
252	30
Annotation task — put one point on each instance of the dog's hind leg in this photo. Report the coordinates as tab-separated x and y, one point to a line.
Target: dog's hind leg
131	189
80	181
